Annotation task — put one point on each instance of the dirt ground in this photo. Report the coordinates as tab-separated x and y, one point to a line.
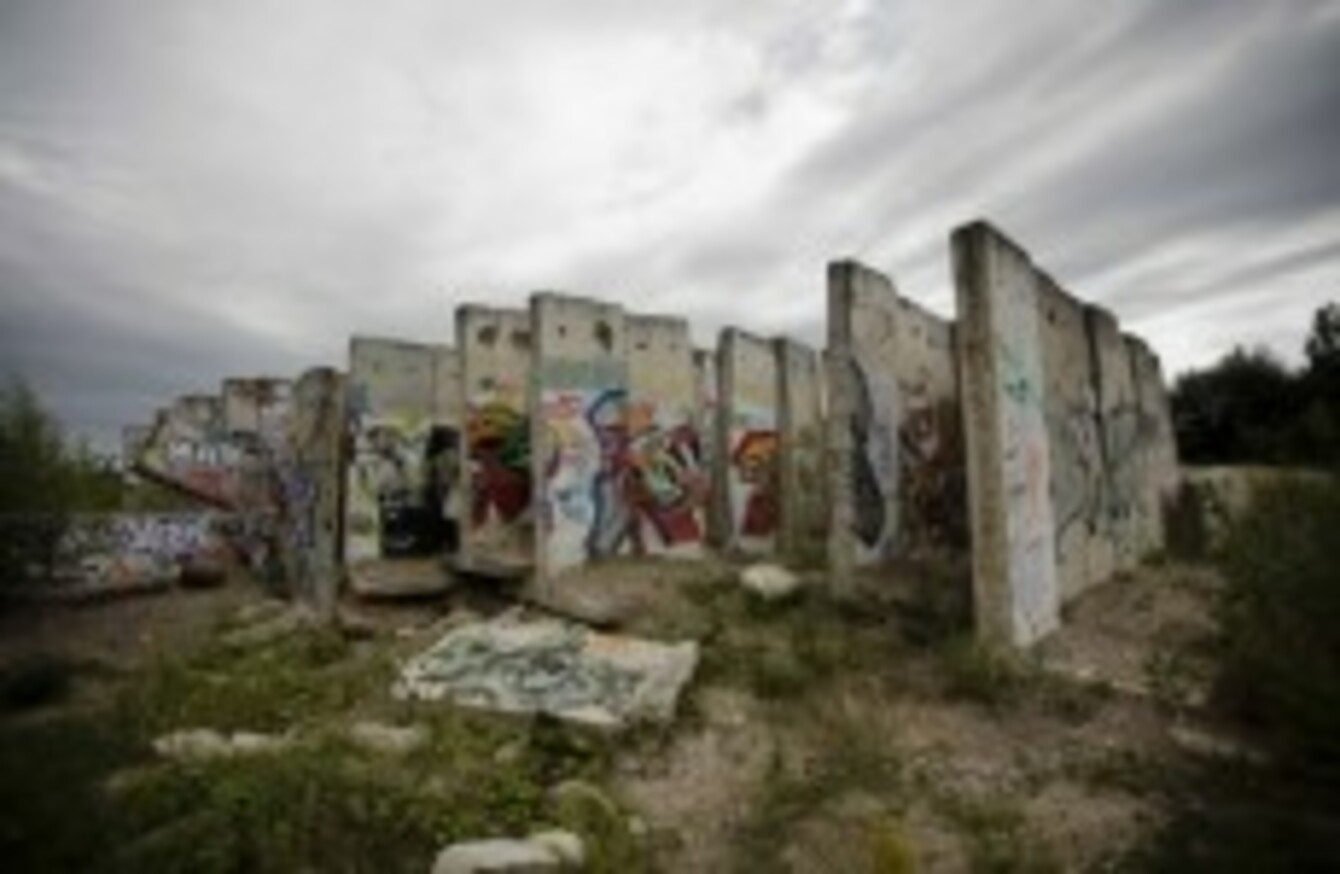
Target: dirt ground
816	740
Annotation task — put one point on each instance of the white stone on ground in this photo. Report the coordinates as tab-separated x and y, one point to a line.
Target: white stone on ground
769	582
498	856
564	844
206	743
392	740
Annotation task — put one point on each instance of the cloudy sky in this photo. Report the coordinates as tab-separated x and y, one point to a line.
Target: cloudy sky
190	190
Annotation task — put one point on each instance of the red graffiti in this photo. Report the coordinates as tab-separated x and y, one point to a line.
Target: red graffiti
755	462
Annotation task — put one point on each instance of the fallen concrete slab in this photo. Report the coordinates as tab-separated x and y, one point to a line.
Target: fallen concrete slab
399	578
548	666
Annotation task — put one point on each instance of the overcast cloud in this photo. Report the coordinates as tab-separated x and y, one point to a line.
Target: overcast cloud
192	190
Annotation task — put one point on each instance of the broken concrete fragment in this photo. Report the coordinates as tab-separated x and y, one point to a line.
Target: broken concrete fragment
553	667
391	740
769	582
499	856
198	744
399	578
565	845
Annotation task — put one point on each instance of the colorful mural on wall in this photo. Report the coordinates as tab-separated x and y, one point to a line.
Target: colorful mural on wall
499	441
497	483
753	477
585	515
662	478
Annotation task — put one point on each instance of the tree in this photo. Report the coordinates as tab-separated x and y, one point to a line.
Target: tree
1230	413
42	482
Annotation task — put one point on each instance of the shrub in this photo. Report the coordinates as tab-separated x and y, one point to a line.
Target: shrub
1278	615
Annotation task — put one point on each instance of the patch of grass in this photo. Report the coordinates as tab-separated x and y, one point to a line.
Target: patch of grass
299	679
611	848
323	803
53	816
999	841
987	676
318	806
850	758
891	850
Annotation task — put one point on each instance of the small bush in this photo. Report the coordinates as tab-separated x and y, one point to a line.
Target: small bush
1279	615
975	672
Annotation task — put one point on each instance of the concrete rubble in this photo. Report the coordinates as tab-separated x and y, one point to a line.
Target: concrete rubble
392	740
553	667
553	850
770	582
200	744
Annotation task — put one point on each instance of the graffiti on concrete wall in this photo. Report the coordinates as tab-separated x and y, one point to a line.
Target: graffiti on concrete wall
932	480
189	449
585	515
874	445
662	478
401	476
1030	545
499	446
752	475
311	476
128	550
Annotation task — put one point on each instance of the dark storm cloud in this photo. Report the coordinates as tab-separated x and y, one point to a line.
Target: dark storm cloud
192	190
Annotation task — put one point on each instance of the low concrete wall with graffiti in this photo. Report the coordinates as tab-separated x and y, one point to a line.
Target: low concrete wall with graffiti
188	449
1070	453
494	485
120	552
748	439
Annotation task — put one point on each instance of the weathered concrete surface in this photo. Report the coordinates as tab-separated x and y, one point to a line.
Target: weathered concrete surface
897	475
661	471
552	667
189	450
1160	475
312	473
932	483
579	432
399	470
1016	594
122	552
495	476
708	379
1115	544
863	419
255	416
1071	453
802	508
1076	446
748	426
